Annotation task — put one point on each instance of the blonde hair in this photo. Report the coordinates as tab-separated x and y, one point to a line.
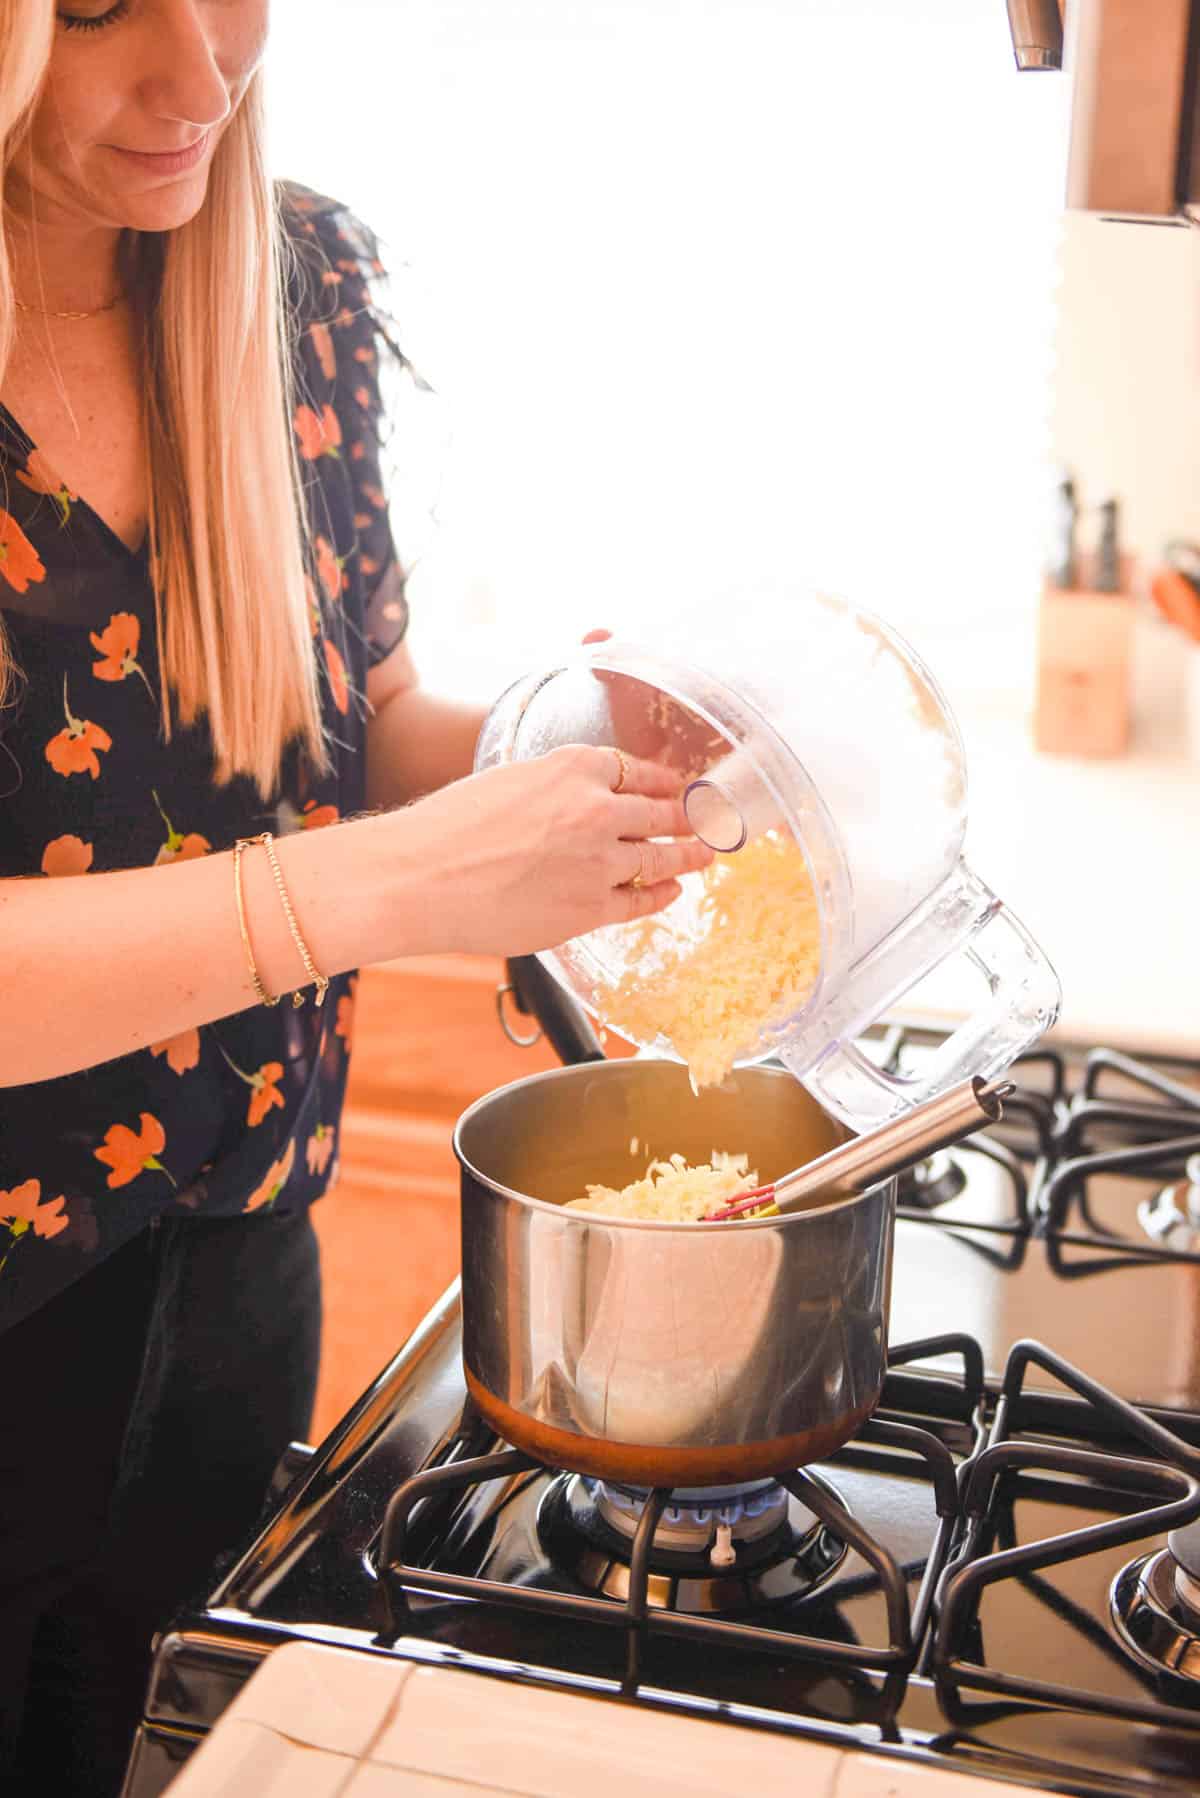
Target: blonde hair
226	511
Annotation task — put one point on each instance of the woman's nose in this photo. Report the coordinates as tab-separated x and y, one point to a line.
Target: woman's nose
187	81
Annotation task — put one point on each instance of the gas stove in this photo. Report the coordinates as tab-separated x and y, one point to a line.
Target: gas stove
999	1575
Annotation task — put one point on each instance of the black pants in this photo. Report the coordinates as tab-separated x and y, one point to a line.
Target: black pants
141	1415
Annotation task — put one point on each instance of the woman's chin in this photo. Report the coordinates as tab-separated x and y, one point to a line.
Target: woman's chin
164	206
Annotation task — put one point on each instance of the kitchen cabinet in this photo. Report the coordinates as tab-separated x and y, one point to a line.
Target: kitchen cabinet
427	1043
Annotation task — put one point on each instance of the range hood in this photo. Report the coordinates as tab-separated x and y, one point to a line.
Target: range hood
1135	100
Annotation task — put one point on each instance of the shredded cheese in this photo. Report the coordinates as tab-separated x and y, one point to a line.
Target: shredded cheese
753	961
673	1192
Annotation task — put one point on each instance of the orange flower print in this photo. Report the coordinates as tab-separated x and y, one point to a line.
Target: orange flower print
314	816
362	521
357	451
66	855
365	356
337	677
73	750
376	496
345	317
118	646
345	1013
264	1087
129	1155
266	1091
318	436
178	848
23	1210
182	1051
329	568
39	477
368	565
319	1148
264	1196
19	561
363	396
323	344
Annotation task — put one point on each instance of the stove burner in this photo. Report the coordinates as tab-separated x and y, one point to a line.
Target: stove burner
933	1182
1155	1604
716	1549
698	1519
1172	1216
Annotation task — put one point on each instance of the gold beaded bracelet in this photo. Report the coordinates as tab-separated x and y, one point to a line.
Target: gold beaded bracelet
322	982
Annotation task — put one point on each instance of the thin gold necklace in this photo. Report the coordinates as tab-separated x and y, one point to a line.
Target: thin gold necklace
48	312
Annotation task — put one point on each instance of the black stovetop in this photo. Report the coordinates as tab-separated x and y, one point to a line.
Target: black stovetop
947	1629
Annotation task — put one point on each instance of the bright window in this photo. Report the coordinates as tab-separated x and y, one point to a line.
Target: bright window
710	290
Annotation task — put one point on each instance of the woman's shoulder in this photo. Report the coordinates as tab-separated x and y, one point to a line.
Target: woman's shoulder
331	246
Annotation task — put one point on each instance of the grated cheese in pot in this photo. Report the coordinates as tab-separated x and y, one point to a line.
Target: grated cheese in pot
753	963
671	1191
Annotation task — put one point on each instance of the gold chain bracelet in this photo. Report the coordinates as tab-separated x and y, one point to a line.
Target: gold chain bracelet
321	980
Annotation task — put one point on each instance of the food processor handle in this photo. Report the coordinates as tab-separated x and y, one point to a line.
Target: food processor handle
1022	1002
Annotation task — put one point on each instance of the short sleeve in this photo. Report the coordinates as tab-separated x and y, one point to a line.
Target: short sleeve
354	369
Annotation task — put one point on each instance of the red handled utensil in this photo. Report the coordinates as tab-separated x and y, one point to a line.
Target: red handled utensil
1177	597
866	1160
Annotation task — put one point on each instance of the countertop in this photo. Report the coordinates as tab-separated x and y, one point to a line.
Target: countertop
321	1722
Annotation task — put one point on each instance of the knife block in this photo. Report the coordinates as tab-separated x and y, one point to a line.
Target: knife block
1084	668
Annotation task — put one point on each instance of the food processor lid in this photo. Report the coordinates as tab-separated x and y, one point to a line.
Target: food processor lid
816	755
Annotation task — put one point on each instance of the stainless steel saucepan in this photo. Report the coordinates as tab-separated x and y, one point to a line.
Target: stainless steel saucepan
664	1354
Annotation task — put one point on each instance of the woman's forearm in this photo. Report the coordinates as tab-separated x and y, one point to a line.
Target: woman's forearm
97	965
417	743
512	860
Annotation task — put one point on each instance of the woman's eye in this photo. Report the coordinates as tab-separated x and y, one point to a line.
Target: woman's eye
79	21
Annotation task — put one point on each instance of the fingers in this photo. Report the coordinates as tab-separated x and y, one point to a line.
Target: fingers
650	864
623	773
640	817
629	903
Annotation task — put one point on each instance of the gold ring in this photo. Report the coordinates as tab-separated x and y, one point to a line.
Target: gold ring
639	879
622	768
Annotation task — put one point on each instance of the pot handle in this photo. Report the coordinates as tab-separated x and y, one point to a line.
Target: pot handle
564	1023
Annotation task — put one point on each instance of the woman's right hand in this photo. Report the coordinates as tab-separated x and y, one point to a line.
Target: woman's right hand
524	856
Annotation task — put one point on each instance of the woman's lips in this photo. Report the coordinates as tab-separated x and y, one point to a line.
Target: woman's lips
167	162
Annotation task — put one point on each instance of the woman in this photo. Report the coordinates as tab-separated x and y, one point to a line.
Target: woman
203	641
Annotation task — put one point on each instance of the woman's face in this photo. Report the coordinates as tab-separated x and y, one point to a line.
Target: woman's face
138	94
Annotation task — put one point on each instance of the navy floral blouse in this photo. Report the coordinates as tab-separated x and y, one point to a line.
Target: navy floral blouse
242	1113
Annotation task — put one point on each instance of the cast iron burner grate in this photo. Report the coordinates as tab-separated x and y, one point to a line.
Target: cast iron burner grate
639	1619
1128	1121
974	1546
987	1517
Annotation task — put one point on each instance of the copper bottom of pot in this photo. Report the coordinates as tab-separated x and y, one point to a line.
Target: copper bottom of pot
638	1465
